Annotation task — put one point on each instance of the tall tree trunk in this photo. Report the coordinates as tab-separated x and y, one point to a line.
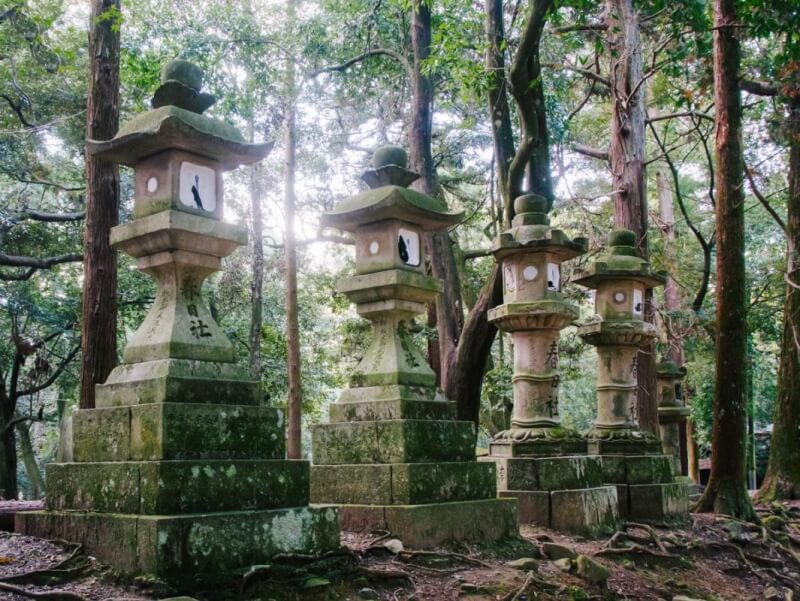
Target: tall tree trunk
257	283
627	160
8	442
99	325
782	480
29	461
727	488
673	304
449	309
295	401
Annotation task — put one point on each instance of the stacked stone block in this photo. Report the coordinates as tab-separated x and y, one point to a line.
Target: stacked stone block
393	456
180	471
539	462
632	460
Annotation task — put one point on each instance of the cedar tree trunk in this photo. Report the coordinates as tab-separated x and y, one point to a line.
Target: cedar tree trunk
727	486
99	321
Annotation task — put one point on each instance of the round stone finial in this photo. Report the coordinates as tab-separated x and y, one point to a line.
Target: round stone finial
622	237
530	203
389	155
183	71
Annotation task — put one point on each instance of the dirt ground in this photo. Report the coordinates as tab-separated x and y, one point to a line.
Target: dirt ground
711	558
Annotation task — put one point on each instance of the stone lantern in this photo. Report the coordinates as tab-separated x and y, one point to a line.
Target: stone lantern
393	457
671	410
180	471
619	330
632	459
539	462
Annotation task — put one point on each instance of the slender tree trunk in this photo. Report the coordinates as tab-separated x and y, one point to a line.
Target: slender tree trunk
29	461
257	284
449	310
295	401
782	480
8	444
727	487
672	304
627	160
99	325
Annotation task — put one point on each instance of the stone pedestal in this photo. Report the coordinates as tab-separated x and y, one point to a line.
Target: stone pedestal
540	462
393	457
671	411
179	471
632	460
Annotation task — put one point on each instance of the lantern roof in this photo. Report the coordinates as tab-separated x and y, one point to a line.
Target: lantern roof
177	123
390	198
531	232
670	369
620	262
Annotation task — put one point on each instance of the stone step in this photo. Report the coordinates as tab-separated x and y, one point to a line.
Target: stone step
402	483
435	524
178	431
591	512
393	441
171	487
547	473
624	447
540	447
637	469
177	381
180	549
391	409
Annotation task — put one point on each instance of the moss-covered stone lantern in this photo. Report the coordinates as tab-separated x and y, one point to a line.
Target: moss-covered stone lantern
393	457
180	471
632	460
671	410
539	462
618	330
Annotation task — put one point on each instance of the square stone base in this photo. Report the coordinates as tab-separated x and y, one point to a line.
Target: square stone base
547	473
624	447
183	548
546	447
435	524
591	512
402	483
658	502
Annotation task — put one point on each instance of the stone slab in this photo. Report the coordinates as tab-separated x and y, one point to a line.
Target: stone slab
431	525
624	447
393	441
659	502
391	410
177	381
533	505
174	487
547	473
592	512
178	431
402	483
183	548
537	448
636	469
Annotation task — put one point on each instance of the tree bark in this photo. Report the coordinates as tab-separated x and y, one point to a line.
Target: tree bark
449	310
727	488
295	400
627	161
29	461
99	312
782	480
257	283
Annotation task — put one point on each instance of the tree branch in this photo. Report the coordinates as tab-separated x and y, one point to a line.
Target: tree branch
52	217
361	57
765	203
588	151
678	115
581	27
759	88
33	264
54	376
588	73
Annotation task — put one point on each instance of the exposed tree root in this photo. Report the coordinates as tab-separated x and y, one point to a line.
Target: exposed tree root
49	595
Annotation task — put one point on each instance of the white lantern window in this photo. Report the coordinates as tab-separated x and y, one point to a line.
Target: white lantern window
553	277
638	303
408	247
198	186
